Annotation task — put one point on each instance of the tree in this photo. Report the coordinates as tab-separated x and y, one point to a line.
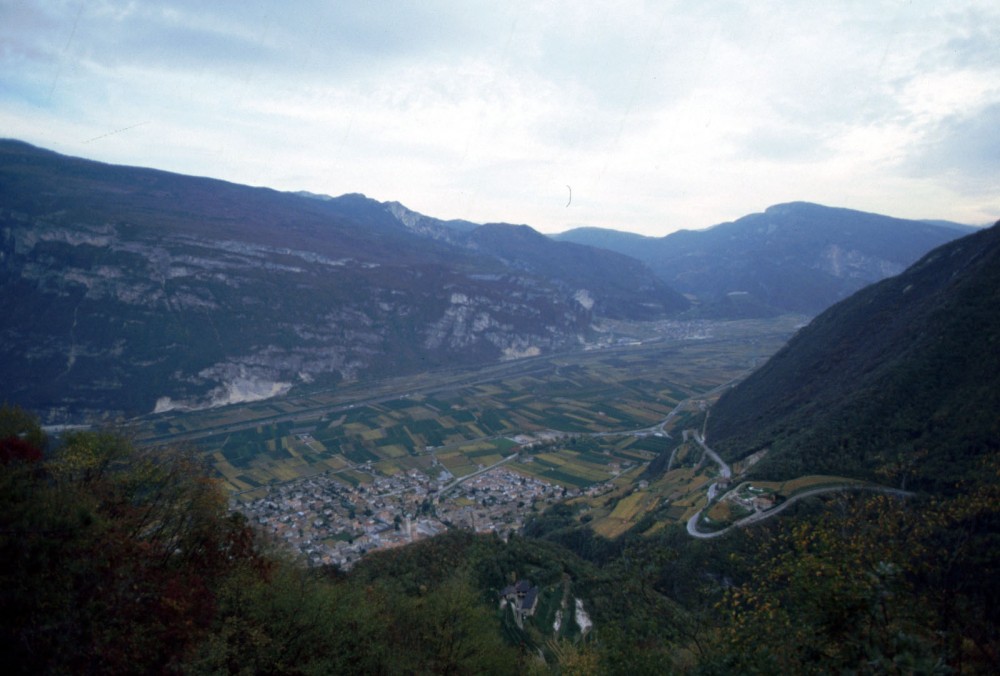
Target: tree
874	584
109	556
449	631
21	437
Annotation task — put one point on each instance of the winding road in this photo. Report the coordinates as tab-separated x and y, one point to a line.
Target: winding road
726	473
692	524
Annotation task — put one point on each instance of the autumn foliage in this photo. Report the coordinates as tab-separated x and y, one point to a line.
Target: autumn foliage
115	559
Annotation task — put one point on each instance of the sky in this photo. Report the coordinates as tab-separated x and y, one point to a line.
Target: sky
646	117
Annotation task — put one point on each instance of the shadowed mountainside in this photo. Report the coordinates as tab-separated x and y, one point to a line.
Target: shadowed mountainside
128	289
899	382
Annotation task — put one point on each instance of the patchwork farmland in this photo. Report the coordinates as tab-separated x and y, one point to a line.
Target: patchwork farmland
571	417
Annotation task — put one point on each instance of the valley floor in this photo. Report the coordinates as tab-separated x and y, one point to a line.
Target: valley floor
340	473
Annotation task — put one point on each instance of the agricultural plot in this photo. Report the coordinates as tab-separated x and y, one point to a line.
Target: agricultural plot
626	513
672	498
572	468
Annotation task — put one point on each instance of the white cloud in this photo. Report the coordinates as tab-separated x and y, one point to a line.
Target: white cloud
659	115
965	145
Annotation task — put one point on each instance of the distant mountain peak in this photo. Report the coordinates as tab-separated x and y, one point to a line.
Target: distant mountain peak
790	207
792	257
312	195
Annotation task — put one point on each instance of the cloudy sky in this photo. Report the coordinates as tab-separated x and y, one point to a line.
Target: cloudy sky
641	116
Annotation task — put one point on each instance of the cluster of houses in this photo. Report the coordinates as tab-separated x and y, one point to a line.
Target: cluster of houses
331	522
755	499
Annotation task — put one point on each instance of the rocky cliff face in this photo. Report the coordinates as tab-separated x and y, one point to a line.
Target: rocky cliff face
120	321
845	263
126	291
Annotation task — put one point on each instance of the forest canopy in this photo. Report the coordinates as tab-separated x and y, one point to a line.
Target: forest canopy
117	559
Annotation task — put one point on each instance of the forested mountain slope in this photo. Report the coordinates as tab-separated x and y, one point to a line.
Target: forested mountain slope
899	382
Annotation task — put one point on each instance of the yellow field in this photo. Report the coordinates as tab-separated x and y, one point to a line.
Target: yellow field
675	481
373	435
421	413
336	462
284	472
227	470
628	507
454	461
657	527
694	508
642	413
629	477
721	511
254	494
692	491
417	442
393	451
316	445
626	514
636	454
387	467
294	447
609	528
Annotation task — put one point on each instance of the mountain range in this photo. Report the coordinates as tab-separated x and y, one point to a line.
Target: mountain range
126	290
796	257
